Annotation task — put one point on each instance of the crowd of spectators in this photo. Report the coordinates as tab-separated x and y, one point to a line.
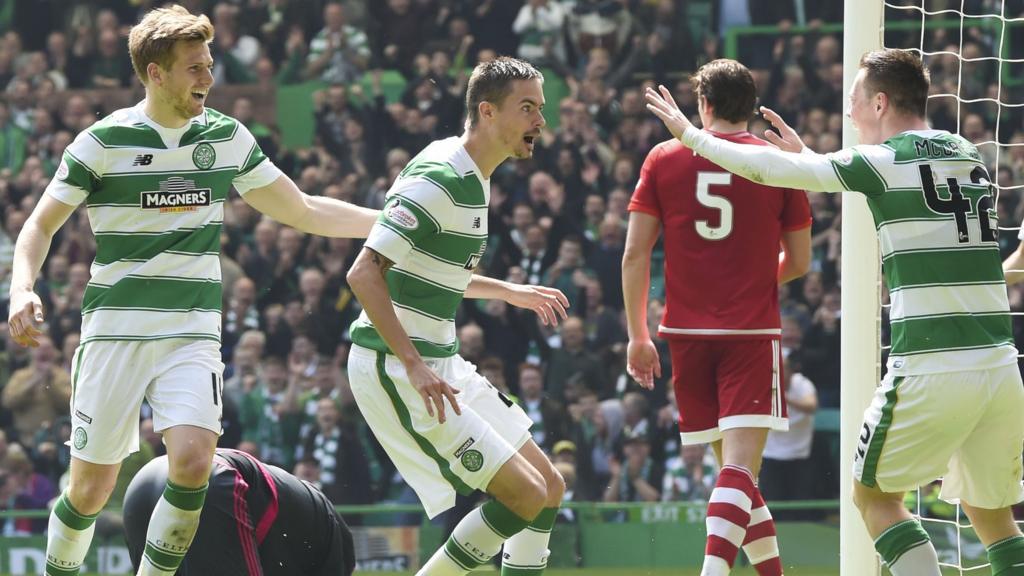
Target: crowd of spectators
558	219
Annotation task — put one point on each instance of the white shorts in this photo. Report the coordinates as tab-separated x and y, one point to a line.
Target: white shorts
182	380
437	460
967	427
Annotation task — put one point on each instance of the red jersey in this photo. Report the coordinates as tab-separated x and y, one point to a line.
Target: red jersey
721	238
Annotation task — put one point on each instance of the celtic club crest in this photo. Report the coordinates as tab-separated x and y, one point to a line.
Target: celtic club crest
204	156
80	438
473	460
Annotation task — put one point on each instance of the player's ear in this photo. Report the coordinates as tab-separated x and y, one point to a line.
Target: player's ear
155	73
881	103
486	110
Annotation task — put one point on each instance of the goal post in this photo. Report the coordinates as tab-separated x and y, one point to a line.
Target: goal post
859	335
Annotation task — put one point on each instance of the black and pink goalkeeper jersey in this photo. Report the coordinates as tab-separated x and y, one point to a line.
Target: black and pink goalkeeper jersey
258	520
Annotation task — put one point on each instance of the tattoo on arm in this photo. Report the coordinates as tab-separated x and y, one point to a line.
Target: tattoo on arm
382	263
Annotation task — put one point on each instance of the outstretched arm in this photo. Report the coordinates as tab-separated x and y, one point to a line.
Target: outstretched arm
283	201
548	303
761	164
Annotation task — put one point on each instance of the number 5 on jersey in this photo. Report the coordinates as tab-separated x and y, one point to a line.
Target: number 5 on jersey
704	182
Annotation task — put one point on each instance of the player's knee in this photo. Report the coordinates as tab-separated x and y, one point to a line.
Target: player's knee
530	497
190	472
868	499
861	497
555	488
89	494
534	500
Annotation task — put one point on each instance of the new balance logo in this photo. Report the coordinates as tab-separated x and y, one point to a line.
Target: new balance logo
143	160
476	222
474	259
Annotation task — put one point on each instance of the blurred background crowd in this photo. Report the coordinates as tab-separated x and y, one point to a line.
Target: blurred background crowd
558	219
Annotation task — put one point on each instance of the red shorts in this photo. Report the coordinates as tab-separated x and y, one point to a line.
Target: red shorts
724	384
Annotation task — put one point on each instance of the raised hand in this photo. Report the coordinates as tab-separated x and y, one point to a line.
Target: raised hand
664	106
433	390
642	362
787	139
548	303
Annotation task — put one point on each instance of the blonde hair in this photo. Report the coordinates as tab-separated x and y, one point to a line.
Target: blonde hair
153	39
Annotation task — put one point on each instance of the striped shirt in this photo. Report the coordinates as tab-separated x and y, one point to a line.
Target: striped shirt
434	228
353	44
930	196
155	199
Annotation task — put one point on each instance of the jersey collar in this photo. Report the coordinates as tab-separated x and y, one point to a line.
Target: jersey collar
170	136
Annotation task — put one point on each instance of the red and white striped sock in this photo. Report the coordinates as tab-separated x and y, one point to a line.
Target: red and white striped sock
728	517
760	544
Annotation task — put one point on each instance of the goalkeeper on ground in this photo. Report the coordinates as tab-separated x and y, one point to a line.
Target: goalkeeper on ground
258	520
952	402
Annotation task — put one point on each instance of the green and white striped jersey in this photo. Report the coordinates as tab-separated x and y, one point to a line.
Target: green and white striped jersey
155	200
929	194
434	228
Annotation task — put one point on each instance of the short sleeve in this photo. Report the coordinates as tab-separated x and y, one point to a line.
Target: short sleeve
415	209
796	213
801	388
81	168
645	196
858	168
255	169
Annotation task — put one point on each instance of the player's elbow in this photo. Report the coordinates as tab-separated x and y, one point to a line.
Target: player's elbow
37	226
798	256
357	277
364	277
632	258
299	213
802	262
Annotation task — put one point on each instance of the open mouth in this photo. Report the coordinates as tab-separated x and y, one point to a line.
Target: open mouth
529	138
198	96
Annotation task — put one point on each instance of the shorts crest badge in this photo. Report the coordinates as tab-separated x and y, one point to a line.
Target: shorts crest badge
80	438
473	460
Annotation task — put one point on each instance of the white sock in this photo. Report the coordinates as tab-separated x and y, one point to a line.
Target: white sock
68	536
171	529
714	566
526	553
918	561
907	550
475	540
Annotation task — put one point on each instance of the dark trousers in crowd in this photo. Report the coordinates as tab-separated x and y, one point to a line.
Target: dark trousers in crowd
783	480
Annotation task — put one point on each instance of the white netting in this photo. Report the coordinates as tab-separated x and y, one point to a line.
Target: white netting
975	50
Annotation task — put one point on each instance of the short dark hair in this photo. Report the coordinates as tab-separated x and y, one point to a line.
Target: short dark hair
901	75
729	88
492	81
